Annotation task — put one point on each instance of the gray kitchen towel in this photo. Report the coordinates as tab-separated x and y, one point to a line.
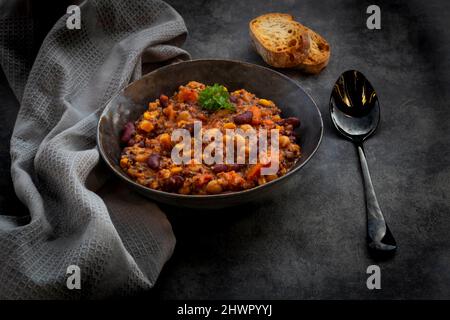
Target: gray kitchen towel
78	214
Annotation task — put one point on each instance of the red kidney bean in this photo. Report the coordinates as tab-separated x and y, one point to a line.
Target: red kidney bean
163	100
154	161
175	182
225	168
234	99
243	118
219	168
295	122
128	132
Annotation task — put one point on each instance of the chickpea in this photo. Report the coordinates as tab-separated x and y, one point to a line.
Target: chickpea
141	157
164	173
284	141
213	187
246	127
124	163
184	115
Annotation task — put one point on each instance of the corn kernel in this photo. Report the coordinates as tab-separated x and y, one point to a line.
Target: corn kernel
176	169
149	115
265	102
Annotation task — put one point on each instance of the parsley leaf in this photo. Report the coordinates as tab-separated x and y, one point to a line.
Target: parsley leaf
214	98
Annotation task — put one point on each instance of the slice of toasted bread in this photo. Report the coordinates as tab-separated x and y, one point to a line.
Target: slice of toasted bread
279	40
272	33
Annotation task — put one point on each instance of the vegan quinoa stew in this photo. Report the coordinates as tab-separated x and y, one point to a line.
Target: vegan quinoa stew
147	153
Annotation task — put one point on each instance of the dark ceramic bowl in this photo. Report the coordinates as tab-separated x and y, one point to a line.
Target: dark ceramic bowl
130	103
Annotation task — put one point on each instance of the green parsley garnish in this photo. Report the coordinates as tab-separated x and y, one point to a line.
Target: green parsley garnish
214	98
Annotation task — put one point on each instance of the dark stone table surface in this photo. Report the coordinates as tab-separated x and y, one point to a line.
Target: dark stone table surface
307	241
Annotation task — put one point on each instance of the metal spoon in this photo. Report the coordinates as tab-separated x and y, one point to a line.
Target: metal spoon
355	112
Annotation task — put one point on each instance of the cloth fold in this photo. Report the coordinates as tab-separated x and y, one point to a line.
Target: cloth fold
78	215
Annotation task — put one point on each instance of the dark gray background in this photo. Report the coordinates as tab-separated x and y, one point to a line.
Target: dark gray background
308	240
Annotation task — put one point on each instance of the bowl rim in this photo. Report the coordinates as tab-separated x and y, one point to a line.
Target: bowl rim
220	195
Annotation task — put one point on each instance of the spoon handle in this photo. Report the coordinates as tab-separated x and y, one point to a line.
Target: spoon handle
376	225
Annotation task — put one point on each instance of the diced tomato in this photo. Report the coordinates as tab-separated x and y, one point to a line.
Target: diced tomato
187	95
256	119
169	112
254	171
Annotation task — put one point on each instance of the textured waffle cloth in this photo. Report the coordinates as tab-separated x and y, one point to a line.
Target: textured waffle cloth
119	240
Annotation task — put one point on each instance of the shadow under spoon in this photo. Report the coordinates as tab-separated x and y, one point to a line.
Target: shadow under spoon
355	112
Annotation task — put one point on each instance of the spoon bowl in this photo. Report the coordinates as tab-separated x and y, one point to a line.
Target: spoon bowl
354	106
